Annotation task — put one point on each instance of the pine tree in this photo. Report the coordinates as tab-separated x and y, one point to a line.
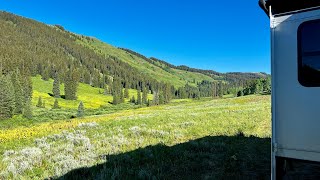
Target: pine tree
55	104
115	99
80	110
106	89
197	95
121	96
27	111
45	74
144	95
18	91
166	93
155	98
110	86
39	104
56	86
27	87
214	90
133	100
240	93
116	91
126	93
7	97
139	101
71	84
161	98
220	90
96	79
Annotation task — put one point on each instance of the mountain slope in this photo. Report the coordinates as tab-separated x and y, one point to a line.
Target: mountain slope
48	50
173	76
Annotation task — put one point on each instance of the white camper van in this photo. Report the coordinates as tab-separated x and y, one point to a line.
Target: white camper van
295	61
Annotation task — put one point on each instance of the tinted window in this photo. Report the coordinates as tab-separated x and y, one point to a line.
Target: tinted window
309	53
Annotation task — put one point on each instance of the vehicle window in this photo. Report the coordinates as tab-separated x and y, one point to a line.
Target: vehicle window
309	54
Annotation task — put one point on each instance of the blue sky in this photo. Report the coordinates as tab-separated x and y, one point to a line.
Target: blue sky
223	36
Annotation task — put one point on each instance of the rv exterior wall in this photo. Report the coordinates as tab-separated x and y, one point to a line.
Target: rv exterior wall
296	108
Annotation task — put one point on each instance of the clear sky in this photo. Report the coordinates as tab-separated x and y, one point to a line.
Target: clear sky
223	36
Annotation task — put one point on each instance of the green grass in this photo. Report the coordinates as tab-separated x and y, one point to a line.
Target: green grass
185	139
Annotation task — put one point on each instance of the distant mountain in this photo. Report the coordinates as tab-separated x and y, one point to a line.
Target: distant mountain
230	76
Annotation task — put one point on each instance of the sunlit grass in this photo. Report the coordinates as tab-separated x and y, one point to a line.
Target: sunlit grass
178	122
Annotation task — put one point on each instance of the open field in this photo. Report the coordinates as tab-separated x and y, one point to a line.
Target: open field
186	139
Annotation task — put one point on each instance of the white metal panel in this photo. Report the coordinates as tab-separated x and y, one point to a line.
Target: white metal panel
296	119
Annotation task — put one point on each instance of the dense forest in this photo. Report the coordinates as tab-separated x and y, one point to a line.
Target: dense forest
29	48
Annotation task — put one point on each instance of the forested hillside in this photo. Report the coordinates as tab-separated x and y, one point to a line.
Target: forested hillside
29	48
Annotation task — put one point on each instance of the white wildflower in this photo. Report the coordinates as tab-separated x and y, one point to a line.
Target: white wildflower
88	125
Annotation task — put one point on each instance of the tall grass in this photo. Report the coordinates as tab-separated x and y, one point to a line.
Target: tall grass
54	148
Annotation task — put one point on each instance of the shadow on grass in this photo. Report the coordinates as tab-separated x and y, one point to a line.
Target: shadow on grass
219	157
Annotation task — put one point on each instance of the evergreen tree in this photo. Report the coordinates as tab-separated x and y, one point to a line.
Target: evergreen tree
155	98
27	111
214	90
197	95
259	86
161	98
166	93
7	97
110	86
80	110
115	99
133	100
56	86
18	91
240	93
55	104
144	95
121	96
45	74
139	101
220	90
266	85
182	94
126	93
39	104
247	91
117	92
96	79
106	89
27	87
71	84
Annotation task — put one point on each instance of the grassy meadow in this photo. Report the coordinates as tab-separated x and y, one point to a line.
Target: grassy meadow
186	139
